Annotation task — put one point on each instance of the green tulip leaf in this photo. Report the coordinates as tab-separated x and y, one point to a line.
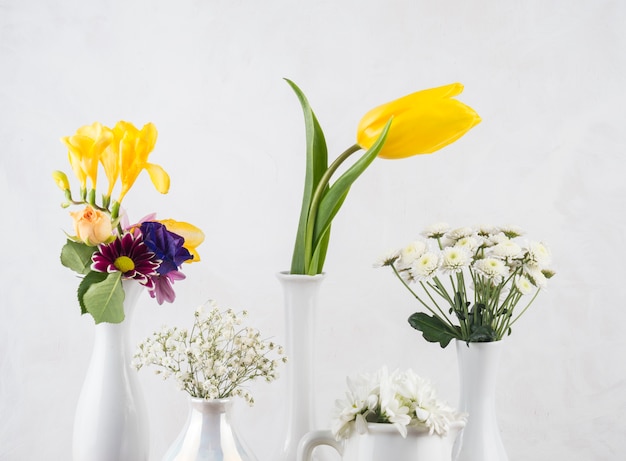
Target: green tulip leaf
433	328
316	165
102	297
77	256
336	194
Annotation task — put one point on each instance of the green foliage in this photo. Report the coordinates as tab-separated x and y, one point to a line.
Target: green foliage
321	201
101	295
434	329
77	256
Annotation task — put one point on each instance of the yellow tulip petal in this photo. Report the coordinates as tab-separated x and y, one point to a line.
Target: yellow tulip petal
423	122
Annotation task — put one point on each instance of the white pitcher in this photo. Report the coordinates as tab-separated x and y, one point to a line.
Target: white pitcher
383	442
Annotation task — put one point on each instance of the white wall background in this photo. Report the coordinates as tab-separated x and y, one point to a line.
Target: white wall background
546	76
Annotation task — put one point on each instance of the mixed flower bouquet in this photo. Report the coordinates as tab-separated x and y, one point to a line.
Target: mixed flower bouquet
403	399
478	274
215	359
105	249
419	123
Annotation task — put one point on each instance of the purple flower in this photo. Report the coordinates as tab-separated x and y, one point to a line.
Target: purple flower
163	290
128	255
167	246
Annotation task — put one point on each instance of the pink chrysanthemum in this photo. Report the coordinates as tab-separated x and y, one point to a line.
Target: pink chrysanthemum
128	255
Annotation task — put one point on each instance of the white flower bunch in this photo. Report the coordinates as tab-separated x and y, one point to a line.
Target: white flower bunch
403	399
478	274
215	358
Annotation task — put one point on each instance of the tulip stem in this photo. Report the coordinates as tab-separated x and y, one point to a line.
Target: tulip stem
315	203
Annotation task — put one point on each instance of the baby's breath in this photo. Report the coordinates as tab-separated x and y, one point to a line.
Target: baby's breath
215	358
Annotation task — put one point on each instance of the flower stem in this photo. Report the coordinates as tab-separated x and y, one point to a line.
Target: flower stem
318	195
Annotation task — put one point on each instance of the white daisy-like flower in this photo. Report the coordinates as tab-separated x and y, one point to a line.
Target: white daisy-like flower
411	252
535	275
436	230
511	231
469	243
492	268
506	249
497	238
486	230
455	259
539	254
523	285
425	267
387	259
460	233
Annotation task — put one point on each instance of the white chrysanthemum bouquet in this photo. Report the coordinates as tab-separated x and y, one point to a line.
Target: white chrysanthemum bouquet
215	359
403	399
470	280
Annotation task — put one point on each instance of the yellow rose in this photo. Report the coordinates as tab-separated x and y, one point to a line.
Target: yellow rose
92	226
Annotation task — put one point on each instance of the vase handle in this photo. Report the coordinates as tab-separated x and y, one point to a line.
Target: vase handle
313	439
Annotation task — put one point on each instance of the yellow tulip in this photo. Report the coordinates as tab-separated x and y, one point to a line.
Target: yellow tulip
84	150
134	146
423	122
193	236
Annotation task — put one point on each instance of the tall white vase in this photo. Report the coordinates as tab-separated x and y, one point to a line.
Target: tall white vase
300	301
111	422
480	440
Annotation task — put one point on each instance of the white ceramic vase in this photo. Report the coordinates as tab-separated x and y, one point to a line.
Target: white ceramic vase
384	442
111	421
300	301
209	435
480	440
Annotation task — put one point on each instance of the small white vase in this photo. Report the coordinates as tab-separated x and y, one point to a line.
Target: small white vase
480	440
300	301
208	435
384	442
111	421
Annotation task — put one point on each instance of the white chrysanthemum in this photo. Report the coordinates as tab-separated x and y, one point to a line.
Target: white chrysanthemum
460	233
492	268
496	239
468	243
486	230
411	252
387	259
523	285
511	231
436	230
425	267
455	259
506	249
539	254
535	275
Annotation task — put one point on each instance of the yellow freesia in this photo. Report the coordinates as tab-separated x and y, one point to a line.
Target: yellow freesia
84	150
134	146
423	122
61	180
193	236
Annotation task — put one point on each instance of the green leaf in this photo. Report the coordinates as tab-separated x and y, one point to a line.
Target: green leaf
77	256
316	165
89	279
433	328
482	334
336	194
104	299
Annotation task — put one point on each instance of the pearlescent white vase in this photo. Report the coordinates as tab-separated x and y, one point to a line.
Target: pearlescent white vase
208	435
480	440
111	422
383	442
300	301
